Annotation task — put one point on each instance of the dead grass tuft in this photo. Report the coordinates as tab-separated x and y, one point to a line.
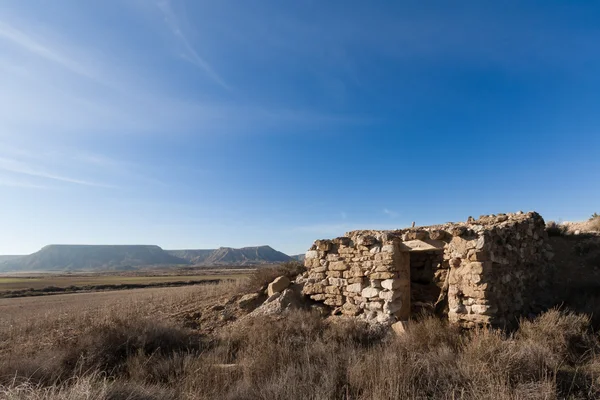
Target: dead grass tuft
265	275
304	356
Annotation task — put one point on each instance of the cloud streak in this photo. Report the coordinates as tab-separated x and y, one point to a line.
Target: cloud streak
28	43
190	53
19	184
22	168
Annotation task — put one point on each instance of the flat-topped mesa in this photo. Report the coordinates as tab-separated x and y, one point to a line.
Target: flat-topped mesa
485	271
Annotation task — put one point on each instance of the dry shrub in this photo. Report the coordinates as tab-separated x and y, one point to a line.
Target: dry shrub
105	349
301	355
265	275
555	229
594	223
564	333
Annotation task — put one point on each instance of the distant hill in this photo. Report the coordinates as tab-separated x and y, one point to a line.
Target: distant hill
231	256
125	257
195	257
298	257
8	258
90	257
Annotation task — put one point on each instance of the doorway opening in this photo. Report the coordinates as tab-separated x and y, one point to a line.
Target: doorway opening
426	280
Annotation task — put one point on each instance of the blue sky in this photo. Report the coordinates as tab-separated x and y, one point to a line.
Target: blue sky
198	124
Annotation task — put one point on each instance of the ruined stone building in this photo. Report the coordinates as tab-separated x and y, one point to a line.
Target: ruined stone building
486	271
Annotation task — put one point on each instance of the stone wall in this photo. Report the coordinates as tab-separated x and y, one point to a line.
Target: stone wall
489	270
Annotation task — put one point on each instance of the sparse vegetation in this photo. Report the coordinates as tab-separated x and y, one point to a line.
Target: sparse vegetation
555	229
48	284
118	351
594	223
265	275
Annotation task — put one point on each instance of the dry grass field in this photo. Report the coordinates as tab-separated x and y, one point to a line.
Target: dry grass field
44	284
40	282
139	344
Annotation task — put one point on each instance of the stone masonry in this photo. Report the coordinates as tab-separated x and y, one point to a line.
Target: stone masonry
485	271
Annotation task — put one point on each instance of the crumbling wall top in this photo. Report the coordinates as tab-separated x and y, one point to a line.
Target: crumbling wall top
442	232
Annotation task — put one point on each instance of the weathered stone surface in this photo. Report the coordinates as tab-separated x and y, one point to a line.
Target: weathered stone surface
249	301
355	288
391	284
389	295
382	275
485	270
350	309
278	285
338	266
400	327
370	292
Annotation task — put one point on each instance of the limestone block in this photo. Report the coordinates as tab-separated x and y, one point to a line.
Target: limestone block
338	266
333	257
319	269
388	248
400	328
382	275
249	301
357	272
342	241
479	245
391	284
313	288
355	280
311	254
384	268
375	250
312	263
339	282
386	257
350	309
373	305
376	283
278	285
392	307
483	309
318	297
323	245
370	292
367	240
389	295
336	301
334	274
333	290
355	288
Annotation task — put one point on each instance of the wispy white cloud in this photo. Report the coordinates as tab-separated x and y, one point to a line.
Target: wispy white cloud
23	168
49	52
5	181
392	214
190	54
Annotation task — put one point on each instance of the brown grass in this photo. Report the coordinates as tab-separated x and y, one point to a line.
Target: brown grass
133	348
265	275
594	223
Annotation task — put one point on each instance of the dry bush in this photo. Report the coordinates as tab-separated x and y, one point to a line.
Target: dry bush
564	333
555	229
104	348
300	355
594	223
265	275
